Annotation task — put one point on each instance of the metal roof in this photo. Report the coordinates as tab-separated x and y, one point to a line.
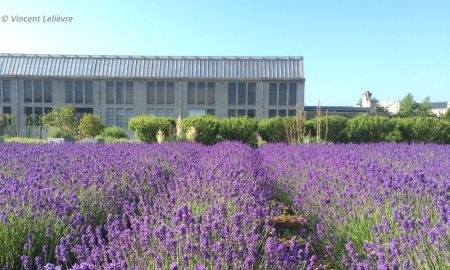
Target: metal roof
439	105
142	67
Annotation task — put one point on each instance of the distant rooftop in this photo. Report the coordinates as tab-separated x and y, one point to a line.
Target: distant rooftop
117	66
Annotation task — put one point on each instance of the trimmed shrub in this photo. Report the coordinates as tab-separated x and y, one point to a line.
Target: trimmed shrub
333	128
241	129
114	132
365	128
272	129
423	129
206	128
146	127
90	126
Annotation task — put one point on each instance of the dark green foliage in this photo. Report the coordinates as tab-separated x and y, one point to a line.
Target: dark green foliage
424	108
408	106
423	129
239	129
114	132
365	128
273	129
206	127
146	127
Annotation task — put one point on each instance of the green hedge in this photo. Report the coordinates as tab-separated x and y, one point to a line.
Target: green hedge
365	128
239	129
423	129
333	128
146	126
272	129
114	132
206	126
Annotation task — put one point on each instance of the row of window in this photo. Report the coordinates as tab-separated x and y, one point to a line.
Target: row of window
5	91
163	112
283	94
118	116
37	91
6	110
241	93
79	92
241	112
201	93
119	92
282	112
161	93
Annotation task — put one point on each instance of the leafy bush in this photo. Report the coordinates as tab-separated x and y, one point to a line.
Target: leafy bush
206	128
90	126
62	122
424	129
239	129
114	132
273	129
146	127
333	128
365	128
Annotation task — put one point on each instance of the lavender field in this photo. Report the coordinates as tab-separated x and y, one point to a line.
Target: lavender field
228	206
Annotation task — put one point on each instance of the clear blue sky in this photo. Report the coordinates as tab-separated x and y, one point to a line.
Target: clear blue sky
385	46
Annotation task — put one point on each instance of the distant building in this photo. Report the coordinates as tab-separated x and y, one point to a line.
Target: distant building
119	87
392	106
440	108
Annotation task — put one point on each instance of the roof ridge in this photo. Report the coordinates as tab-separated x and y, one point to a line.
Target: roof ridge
152	56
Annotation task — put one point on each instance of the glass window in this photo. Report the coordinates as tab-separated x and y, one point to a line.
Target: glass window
109	117
7	110
251	113
281	112
29	116
241	112
119	92
129	96
282	94
201	92
211	93
110	92
292	94
272	113
194	112
38	111
170	93
37	91
68	86
170	112
160	112
129	112
150	93
231	93
79	92
88	92
151	111
191	93
27	91
251	94
160	93
6	91
292	112
47	110
231	113
211	112
48	97
120	117
242	93
273	94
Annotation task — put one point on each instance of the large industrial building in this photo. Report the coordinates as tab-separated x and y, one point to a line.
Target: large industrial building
118	87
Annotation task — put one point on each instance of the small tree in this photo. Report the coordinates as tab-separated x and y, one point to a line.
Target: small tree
90	126
425	108
408	106
62	122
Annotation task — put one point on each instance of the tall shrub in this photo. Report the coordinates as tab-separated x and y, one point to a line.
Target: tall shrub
90	125
239	129
272	129
206	128
366	128
61	122
333	128
146	127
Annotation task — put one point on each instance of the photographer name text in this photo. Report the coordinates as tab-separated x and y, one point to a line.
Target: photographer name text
37	19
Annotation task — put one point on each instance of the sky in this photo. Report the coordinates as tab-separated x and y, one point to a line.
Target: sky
349	46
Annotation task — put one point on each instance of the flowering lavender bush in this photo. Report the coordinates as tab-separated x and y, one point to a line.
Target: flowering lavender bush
227	206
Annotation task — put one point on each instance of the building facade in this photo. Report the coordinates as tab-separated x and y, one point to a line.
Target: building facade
119	87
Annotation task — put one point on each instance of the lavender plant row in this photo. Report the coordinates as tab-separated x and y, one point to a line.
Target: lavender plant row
187	206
